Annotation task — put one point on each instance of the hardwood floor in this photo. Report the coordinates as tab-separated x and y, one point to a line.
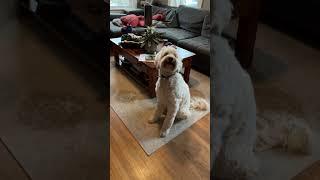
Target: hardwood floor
185	157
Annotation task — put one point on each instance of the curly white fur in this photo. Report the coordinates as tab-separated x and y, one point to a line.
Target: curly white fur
172	91
222	13
234	127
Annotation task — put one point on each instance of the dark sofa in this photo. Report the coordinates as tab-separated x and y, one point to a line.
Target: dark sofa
191	33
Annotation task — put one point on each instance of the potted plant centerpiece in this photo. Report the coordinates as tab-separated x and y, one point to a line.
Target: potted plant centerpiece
150	40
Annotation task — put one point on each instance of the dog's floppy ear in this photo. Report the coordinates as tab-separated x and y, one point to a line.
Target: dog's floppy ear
179	64
157	59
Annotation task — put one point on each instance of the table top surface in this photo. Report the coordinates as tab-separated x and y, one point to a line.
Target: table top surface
182	53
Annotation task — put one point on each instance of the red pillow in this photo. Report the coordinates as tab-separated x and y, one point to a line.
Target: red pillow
130	19
141	21
158	17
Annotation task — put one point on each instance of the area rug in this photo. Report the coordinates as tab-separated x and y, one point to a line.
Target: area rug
134	107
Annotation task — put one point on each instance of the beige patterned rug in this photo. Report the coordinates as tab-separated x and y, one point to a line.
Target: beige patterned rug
134	107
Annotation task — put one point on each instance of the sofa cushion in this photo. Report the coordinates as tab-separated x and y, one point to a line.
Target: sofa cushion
206	27
175	34
116	16
191	19
198	45
172	17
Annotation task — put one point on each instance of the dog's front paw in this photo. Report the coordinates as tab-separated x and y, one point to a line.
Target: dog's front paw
164	133
153	120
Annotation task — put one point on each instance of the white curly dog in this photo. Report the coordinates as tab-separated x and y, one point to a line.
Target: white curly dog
173	94
234	110
172	91
234	121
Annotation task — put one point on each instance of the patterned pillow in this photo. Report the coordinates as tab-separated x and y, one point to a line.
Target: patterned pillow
191	19
172	18
158	10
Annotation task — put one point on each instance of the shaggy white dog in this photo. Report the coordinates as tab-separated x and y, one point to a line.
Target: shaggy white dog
173	94
234	121
172	91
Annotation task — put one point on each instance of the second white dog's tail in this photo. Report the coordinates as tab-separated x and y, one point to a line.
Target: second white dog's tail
199	104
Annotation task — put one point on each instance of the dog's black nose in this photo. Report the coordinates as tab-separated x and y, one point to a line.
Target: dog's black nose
170	59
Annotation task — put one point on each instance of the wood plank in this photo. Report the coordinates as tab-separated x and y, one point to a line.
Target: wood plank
185	157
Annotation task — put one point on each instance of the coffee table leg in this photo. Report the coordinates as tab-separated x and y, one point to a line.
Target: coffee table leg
153	77
116	56
187	69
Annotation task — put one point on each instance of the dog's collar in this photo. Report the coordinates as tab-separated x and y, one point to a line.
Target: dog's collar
167	77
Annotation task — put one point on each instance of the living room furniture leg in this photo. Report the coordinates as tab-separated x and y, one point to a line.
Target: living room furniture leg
152	80
248	24
187	69
116	56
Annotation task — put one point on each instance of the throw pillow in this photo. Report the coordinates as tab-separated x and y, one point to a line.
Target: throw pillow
172	18
158	10
206	27
191	19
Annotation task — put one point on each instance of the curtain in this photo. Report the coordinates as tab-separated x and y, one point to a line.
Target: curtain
177	3
133	3
200	3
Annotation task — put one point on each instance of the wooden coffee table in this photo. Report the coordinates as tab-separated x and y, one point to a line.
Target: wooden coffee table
145	72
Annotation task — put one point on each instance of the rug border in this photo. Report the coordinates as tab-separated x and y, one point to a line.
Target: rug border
201	117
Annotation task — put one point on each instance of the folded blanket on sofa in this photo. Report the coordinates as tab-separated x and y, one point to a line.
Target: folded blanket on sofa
155	23
135	21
